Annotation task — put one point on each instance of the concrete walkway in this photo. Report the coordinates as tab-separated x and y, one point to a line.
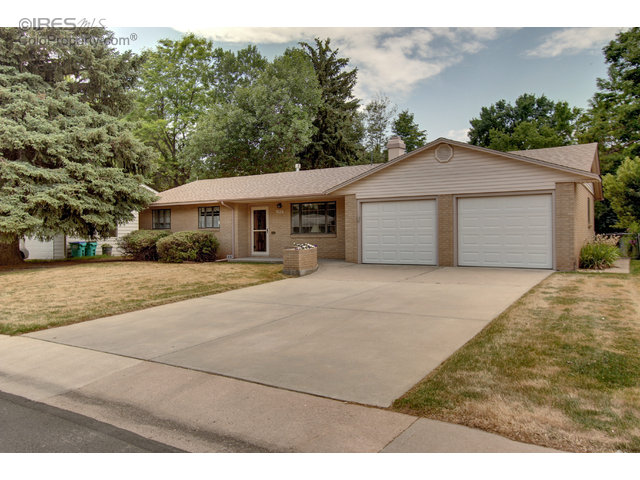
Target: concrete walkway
359	333
200	412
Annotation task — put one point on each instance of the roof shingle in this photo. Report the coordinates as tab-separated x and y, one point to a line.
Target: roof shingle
270	185
580	157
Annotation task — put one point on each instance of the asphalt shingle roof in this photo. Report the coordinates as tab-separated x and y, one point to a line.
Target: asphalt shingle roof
580	157
306	183
270	185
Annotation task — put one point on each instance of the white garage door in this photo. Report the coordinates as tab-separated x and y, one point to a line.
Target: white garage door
513	231
399	232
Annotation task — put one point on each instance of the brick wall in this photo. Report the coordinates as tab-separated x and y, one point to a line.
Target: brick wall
185	217
351	229
565	222
445	230
584	229
296	262
280	236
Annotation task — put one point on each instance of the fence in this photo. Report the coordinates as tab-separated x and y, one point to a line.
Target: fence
628	244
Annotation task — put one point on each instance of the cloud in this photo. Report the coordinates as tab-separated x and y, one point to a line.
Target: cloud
462	135
389	60
571	41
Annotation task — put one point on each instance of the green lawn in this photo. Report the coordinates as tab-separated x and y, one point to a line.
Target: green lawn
560	368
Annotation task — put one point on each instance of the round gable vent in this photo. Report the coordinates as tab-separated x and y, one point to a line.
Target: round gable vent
444	153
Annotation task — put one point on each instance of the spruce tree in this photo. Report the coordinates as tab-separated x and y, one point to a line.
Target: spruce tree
67	164
335	141
406	127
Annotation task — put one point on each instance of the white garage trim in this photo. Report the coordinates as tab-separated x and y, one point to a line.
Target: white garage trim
542	254
411	256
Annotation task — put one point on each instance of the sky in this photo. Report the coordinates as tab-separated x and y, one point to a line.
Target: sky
444	76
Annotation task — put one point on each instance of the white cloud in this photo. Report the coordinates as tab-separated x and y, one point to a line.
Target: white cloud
462	135
570	41
389	60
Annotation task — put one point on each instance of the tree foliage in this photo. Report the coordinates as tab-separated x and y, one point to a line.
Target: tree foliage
377	115
405	126
337	131
80	57
613	116
265	124
533	122
180	79
623	192
66	165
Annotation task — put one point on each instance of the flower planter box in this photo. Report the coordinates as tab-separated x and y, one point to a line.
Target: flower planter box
299	262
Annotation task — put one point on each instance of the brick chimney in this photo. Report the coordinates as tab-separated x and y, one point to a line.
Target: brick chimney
396	147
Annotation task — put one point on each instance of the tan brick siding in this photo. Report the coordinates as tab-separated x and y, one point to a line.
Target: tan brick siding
185	217
351	229
280	236
242	229
584	229
445	230
565	223
300	259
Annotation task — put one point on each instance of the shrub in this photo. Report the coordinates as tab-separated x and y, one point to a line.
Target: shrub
141	244
188	247
600	253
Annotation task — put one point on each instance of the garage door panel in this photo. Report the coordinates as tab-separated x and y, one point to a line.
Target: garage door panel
512	231
404	232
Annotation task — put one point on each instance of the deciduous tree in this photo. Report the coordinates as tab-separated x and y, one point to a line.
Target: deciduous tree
622	189
377	115
613	117
264	126
533	122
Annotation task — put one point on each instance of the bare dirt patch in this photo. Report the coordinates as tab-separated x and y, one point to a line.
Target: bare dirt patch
560	368
34	299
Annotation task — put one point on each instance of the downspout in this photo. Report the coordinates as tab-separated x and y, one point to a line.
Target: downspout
233	228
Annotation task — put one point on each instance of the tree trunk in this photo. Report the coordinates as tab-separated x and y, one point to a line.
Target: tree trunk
10	252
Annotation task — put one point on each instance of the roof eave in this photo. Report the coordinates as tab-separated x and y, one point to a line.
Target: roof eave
247	199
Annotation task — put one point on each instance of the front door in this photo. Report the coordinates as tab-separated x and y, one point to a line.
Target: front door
259	231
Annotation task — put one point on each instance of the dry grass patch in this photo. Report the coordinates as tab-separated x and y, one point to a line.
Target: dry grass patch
43	298
560	368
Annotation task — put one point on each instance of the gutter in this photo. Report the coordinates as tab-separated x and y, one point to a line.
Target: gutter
233	228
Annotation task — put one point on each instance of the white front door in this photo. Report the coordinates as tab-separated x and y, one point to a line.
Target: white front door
399	232
509	231
259	231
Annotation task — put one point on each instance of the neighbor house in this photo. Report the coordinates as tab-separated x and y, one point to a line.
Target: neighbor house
58	247
447	203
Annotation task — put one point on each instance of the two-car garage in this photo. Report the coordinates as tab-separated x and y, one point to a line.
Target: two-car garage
490	231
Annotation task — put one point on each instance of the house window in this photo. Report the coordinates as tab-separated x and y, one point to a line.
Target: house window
161	219
318	217
209	217
589	212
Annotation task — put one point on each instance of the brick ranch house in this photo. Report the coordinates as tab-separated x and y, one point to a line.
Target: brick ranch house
447	203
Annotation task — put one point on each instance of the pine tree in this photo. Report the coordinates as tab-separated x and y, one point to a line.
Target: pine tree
335	141
67	165
406	127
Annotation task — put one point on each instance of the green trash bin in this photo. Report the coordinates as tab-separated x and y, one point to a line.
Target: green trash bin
77	249
90	249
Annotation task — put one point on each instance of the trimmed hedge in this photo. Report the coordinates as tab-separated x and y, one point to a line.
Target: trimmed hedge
141	244
190	246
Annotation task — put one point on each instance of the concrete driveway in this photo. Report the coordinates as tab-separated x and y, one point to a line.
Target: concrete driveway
360	333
